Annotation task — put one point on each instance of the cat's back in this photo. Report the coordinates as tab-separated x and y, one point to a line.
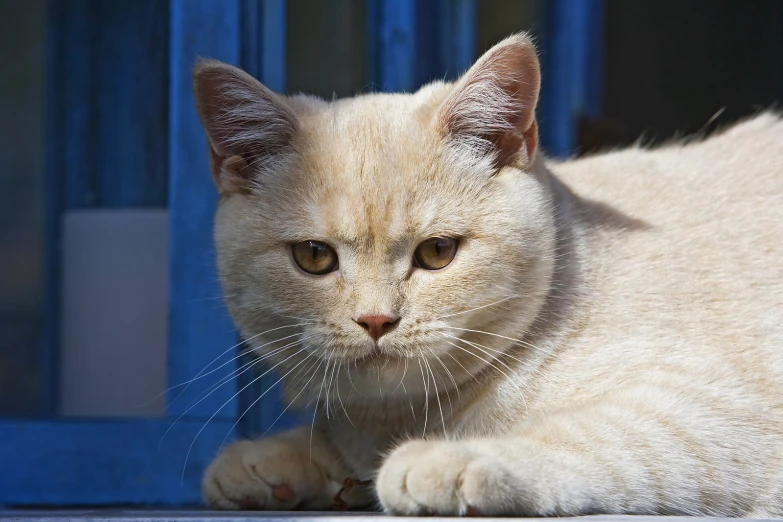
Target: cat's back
683	259
740	167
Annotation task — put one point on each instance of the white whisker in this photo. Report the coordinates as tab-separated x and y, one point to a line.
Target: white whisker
236	423
226	404
305	386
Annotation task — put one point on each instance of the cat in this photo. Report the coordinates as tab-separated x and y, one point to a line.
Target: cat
484	331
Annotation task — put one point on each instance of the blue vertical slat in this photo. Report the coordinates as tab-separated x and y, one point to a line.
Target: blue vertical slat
397	49
373	26
250	37
199	326
573	33
414	42
463	24
273	44
588	65
130	106
457	36
115	144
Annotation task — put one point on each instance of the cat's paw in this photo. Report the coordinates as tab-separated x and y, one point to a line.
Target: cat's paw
445	478
269	474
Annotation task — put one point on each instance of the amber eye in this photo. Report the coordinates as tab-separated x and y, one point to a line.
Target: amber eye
315	257
436	252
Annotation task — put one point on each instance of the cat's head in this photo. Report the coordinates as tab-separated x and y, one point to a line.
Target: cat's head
386	234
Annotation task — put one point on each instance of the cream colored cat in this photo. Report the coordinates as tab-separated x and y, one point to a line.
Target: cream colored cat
483	331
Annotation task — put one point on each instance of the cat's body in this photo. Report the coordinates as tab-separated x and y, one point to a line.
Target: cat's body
608	338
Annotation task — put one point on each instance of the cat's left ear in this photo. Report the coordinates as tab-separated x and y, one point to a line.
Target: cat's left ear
250	128
491	108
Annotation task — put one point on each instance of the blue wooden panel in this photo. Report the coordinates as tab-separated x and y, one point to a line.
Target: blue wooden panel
571	60
273	44
199	326
397	48
113	462
113	102
131	71
458	36
75	47
416	42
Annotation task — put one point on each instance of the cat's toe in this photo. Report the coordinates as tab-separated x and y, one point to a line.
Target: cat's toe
443	478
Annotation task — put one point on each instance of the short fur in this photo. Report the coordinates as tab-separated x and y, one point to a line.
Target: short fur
608	338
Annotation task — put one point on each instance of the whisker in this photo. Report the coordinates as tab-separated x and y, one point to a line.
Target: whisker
479	307
517	341
337	386
480	347
329	387
410	401
488	363
315	411
484	349
445	386
401	378
304	387
197	299
199	374
437	397
426	397
236	423
448	372
190	449
247	366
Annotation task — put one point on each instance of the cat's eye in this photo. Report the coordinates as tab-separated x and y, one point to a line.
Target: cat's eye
436	252
315	257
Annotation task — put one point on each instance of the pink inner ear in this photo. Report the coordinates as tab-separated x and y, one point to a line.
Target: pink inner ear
230	174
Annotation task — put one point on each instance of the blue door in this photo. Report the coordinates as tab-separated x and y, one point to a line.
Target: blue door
123	141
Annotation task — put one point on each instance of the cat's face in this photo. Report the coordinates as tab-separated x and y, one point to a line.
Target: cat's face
380	235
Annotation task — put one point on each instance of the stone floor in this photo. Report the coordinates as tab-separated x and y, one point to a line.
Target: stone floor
222	516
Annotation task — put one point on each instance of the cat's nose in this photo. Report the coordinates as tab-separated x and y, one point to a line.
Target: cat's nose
377	325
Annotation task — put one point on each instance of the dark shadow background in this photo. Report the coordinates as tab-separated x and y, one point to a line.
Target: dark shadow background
671	66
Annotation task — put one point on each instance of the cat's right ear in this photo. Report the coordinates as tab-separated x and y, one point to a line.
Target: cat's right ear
249	127
491	109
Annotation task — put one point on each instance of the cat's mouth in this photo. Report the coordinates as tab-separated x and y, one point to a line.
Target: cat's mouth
377	356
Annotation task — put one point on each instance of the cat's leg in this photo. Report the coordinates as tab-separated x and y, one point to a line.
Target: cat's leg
629	453
288	471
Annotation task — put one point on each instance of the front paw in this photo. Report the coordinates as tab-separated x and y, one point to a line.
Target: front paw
268	474
445	478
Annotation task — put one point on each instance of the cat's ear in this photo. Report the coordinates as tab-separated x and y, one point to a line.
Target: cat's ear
491	108
248	126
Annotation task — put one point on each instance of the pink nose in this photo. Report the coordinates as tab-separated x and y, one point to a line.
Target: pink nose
377	325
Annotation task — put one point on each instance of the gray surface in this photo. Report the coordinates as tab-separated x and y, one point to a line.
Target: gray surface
258	516
114	313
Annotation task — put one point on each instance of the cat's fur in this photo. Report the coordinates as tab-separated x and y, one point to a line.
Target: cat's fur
609	337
